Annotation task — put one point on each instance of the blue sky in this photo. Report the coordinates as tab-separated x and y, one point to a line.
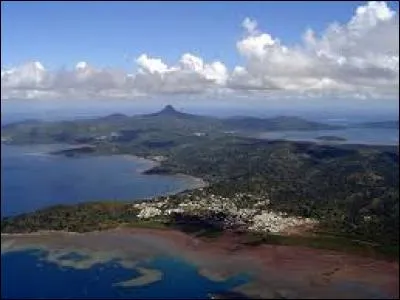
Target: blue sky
105	33
280	49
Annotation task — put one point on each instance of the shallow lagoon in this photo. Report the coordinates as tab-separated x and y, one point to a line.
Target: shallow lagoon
139	263
42	279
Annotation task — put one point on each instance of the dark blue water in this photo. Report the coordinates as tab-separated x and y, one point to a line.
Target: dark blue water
32	179
23	278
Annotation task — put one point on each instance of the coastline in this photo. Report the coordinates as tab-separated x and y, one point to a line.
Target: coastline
148	164
223	257
145	164
292	260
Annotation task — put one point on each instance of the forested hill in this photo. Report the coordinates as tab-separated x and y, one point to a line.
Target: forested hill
168	120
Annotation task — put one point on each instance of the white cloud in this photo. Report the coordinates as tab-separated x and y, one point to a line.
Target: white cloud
190	75
151	65
28	76
359	58
250	25
215	72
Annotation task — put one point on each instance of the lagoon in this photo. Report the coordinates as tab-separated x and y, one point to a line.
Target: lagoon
43	279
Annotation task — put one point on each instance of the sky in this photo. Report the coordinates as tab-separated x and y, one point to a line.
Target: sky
259	50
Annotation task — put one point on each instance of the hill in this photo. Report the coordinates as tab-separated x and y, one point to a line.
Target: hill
167	124
351	191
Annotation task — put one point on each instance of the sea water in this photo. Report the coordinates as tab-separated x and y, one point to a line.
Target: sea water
25	275
367	136
33	179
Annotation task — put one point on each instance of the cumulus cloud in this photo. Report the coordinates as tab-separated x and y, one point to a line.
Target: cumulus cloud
250	25
359	58
190	75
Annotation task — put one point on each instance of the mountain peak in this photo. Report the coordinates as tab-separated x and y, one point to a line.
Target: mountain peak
168	109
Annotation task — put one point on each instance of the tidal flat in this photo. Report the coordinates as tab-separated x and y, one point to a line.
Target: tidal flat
263	271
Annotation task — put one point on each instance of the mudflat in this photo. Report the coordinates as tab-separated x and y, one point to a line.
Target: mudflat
276	271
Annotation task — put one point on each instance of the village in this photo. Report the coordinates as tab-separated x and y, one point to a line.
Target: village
246	211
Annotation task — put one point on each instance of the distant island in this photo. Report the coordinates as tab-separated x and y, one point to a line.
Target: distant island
165	125
343	197
331	138
384	124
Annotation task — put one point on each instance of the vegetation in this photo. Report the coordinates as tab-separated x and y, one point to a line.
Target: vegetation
77	218
353	190
167	125
108	215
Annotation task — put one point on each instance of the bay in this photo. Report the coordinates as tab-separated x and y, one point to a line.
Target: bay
33	179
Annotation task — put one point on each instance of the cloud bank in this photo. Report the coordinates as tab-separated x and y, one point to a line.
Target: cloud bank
359	59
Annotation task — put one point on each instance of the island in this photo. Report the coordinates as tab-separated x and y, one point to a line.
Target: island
331	138
303	195
332	196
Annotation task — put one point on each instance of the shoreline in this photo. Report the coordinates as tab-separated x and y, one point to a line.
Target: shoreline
227	241
223	257
145	164
148	164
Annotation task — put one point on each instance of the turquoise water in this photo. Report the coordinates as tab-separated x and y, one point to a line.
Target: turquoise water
32	179
24	275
